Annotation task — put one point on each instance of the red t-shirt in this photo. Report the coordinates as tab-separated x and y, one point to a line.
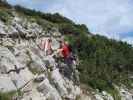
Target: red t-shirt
65	51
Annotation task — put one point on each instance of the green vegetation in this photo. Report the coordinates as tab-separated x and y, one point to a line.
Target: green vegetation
103	61
114	93
64	24
45	24
5	14
10	95
5	4
55	18
7	96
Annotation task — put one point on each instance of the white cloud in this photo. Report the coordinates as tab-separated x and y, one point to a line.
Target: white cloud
106	17
129	40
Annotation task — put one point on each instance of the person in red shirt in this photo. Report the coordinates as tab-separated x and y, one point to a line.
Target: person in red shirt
65	52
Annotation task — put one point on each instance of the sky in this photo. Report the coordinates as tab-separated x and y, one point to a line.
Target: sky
111	18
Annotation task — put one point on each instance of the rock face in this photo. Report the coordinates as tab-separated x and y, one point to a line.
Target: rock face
18	64
48	90
6	84
24	66
124	93
104	96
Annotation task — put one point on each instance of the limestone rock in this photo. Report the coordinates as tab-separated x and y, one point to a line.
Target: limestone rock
98	97
125	94
22	78
48	90
8	60
59	82
40	78
36	62
6	84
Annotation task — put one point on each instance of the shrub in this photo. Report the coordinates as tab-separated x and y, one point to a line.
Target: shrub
7	95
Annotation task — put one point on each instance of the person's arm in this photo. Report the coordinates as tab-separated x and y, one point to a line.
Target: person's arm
60	50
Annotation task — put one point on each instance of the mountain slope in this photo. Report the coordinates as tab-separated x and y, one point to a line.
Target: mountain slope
105	66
